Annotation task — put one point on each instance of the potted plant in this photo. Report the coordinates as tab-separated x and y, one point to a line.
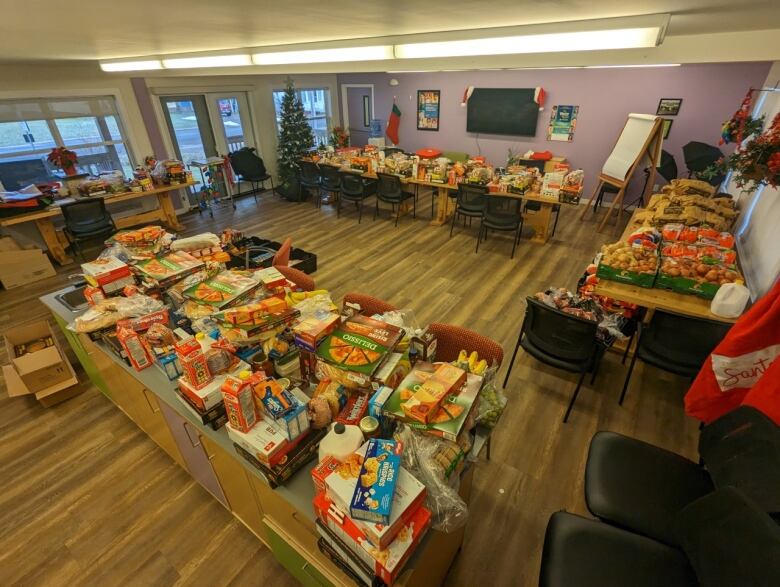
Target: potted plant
755	162
65	159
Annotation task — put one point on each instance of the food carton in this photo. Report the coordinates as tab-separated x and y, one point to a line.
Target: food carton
321	472
272	398
109	274
388	562
210	395
372	500
193	362
225	289
265	441
311	331
295	422
169	268
270	277
239	403
429	396
354	410
134	346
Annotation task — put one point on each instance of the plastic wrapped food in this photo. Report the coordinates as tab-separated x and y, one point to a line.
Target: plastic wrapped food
492	401
109	311
196	243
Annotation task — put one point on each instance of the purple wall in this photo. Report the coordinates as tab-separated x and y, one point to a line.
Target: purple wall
358	132
710	92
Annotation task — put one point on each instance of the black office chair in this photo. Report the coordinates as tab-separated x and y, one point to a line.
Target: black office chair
86	220
249	167
501	213
355	189
330	182
390	190
470	203
675	343
560	340
310	178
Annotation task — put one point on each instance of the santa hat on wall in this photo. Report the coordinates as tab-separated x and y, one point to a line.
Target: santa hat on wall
539	96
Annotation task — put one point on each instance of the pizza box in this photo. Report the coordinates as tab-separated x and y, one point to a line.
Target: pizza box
222	290
360	344
169	268
449	420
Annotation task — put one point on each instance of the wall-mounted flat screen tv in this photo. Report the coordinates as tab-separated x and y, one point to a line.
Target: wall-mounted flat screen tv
502	111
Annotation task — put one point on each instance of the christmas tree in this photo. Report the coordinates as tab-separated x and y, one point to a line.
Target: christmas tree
295	136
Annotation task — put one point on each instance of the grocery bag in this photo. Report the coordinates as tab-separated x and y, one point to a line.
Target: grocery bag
737	365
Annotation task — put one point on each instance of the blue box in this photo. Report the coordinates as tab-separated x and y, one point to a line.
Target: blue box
296	421
372	500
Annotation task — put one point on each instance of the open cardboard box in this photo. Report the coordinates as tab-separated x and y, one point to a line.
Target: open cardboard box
20	266
46	373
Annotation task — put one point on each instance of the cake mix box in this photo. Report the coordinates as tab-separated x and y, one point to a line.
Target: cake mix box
429	396
225	289
407	496
167	269
360	344
452	415
387	562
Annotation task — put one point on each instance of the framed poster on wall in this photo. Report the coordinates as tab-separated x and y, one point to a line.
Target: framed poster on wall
428	109
563	122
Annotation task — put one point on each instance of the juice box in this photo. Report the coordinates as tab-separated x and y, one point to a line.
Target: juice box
372	499
430	395
193	362
239	403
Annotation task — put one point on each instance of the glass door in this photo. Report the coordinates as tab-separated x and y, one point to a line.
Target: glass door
231	120
190	130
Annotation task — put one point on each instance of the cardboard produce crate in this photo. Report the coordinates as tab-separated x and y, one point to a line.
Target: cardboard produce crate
22	266
45	373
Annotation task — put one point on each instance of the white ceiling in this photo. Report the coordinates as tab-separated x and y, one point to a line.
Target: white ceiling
95	29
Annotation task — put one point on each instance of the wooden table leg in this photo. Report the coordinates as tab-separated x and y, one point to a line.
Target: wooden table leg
49	234
540	221
444	207
169	211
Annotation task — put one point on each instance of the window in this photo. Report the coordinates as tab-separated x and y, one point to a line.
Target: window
316	105
31	128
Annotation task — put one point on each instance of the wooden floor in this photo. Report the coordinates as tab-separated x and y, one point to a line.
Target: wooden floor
88	499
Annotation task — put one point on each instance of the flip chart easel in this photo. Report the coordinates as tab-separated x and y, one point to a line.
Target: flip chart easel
642	136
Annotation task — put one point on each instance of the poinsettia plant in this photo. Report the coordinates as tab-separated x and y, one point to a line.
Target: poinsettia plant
339	137
65	159
755	162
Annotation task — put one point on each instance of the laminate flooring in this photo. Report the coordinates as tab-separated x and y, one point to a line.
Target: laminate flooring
87	499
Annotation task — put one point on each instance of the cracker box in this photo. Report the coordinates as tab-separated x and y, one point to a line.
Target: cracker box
311	331
429	396
388	562
372	499
354	410
239	403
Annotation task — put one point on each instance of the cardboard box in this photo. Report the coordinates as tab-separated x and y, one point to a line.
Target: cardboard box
265	441
372	500
209	396
387	563
409	494
431	393
20	267
39	370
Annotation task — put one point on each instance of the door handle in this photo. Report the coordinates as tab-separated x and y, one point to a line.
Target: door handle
145	392
305	569
196	443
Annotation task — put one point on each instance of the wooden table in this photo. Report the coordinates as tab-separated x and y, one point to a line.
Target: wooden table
655	298
56	241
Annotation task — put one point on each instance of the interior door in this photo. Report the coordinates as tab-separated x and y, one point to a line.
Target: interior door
231	121
190	129
359	102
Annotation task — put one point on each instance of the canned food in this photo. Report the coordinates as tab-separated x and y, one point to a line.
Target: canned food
369	426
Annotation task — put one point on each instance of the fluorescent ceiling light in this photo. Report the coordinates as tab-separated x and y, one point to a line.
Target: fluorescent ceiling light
639	65
595	40
131	65
207	61
373	53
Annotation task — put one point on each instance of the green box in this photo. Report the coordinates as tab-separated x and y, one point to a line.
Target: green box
625	276
686	285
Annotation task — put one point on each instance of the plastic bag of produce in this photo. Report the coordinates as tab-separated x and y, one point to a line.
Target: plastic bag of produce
448	510
492	400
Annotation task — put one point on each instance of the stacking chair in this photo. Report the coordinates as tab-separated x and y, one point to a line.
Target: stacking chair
451	339
369	305
501	213
390	190
330	182
560	340
470	203
298	277
675	343
249	167
86	220
355	189
310	178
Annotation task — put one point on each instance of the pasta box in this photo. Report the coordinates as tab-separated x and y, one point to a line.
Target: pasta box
387	563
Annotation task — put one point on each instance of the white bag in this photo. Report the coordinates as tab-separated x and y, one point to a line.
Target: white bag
730	300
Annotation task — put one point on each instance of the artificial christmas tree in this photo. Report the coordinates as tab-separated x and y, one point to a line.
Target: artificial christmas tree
295	139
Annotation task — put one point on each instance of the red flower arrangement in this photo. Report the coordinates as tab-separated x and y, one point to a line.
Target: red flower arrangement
339	137
65	159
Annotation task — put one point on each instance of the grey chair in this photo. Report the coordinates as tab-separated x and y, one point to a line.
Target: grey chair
390	190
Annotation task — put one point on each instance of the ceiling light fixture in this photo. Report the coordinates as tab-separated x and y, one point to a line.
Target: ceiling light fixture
373	53
146	64
636	65
207	61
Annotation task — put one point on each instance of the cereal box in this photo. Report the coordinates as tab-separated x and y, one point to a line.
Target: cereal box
372	500
429	396
387	562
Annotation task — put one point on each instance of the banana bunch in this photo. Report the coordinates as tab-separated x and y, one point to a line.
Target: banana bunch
471	362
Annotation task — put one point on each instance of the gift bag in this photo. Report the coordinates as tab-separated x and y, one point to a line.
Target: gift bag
739	363
765	395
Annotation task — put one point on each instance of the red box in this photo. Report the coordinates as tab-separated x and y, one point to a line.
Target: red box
354	410
387	563
239	403
321	472
193	362
135	348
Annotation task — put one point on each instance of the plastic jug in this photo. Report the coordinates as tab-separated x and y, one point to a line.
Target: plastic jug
730	300
340	442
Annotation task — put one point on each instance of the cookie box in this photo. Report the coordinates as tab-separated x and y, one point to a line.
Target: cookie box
429	395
